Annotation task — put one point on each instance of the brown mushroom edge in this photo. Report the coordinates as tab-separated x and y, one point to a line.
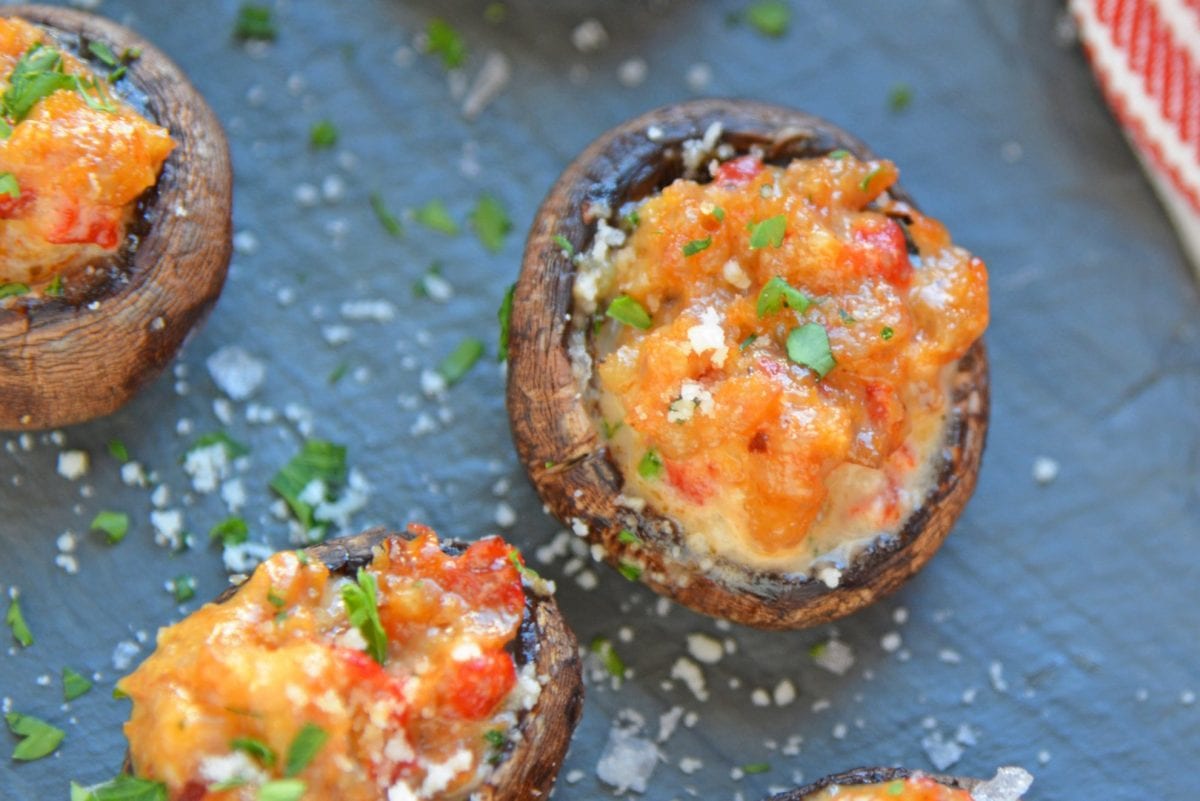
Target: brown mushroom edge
860	776
531	762
564	454
70	359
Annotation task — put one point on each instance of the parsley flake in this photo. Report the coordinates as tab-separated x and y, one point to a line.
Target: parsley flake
839	154
603	648
318	460
233	448
610	429
307	743
38	738
887	333
446	42
504	315
115	525
230	531
900	97
361	602
74	684
104	53
184	588
777	293
435	216
747	342
255	748
460	361
696	245
808	345
323	135
630	571
491	222
865	183
625	309
564	245
627	537
9	185
497	741
16	622
282	790
518	561
769	17
254	22
389	221
651	465
55	288
122	788
768	232
895	787
756	767
12	290
118	451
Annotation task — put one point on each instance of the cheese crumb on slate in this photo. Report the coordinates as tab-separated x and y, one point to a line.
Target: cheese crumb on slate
72	465
691	675
589	36
1009	784
236	372
627	761
835	656
704	648
942	753
1045	470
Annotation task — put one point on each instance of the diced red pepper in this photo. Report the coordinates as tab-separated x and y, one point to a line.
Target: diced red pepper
476	687
739	171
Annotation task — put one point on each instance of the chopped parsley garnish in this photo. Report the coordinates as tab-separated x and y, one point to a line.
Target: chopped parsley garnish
318	460
446	42
389	221
491	222
504	315
628	537
11	290
895	787
74	684
104	53
768	232
254	21
38	738
696	245
778	292
118	451
37	75
184	588
435	216
651	465
497	741
275	599
308	741
769	17
630	571
839	154
602	647
9	185
16	622
461	360
55	289
363	610
122	788
255	748
865	183
230	531
625	309
718	213
610	428
233	448
886	332
525	570
747	342
900	97
632	219
564	245
323	134
115	525
818	648
282	790
337	373
808	345
756	767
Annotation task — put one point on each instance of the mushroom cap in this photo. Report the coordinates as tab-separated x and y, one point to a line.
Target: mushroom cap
66	360
564	454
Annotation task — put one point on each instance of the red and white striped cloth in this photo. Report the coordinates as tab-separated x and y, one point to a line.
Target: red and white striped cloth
1146	54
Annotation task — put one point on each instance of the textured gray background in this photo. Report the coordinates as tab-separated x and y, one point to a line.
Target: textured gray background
1084	590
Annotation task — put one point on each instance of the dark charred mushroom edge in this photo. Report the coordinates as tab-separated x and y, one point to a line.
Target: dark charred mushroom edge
564	453
530	764
872	776
62	362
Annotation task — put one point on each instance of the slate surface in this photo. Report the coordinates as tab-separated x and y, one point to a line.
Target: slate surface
1058	624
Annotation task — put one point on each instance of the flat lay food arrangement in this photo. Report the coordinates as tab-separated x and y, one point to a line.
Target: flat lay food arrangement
789	387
